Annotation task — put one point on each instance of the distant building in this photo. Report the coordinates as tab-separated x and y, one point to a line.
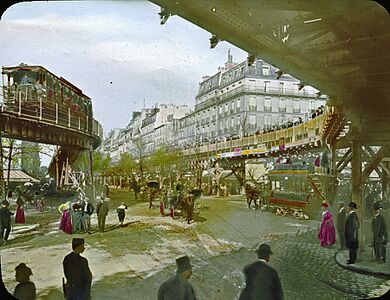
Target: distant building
241	100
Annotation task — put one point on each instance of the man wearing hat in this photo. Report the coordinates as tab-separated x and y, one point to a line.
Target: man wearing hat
77	273
102	212
379	234
340	219
177	287
261	280
352	232
25	290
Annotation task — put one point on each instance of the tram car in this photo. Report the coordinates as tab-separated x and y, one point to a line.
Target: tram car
33	90
291	187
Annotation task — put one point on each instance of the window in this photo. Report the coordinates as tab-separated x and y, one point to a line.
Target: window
281	88
296	107
282	105
252	103
252	120
266	71
266	86
267	104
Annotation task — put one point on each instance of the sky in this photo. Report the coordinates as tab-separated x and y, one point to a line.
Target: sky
116	52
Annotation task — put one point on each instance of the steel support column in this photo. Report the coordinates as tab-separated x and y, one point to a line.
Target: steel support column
357	192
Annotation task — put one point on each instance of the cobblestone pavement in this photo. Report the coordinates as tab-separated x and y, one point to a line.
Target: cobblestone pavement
307	271
131	262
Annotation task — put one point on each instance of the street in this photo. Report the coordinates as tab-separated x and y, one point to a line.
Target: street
131	262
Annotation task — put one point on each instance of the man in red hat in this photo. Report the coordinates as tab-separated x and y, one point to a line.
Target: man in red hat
177	287
261	280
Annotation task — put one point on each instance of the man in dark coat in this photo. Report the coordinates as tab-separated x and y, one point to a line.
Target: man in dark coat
177	287
77	273
352	232
340	220
261	280
102	212
5	221
379	234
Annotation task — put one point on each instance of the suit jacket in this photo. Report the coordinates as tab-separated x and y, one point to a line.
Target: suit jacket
262	282
176	288
341	219
78	276
379	230
351	231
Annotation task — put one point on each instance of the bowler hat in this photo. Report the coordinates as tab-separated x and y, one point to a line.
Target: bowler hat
183	264
377	206
264	251
77	242
352	205
23	269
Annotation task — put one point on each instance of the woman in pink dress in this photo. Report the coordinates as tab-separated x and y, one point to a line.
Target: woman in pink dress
327	233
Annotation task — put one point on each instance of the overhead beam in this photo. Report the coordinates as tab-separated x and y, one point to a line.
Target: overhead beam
375	161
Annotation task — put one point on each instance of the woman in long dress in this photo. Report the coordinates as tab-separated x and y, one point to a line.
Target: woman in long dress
327	233
19	217
66	220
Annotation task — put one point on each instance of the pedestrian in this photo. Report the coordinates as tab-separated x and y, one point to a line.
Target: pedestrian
327	232
352	232
177	287
5	221
25	290
88	211
19	216
379	234
341	218
121	210
77	273
102	212
66	217
261	280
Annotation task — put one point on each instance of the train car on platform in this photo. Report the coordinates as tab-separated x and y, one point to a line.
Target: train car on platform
33	90
291	188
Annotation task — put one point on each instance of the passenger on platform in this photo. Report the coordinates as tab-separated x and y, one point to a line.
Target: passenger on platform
177	287
327	233
121	211
352	232
379	234
261	280
341	218
5	221
25	290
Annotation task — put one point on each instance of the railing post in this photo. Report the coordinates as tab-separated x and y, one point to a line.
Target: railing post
68	116
40	108
56	113
20	103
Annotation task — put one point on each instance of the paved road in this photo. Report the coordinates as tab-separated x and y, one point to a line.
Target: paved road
131	262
